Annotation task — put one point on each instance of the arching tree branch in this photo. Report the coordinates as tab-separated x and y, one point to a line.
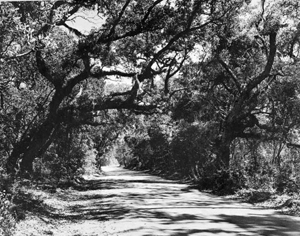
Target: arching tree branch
230	72
268	67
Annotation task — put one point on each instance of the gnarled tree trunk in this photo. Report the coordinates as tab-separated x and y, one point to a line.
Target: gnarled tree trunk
223	150
38	139
33	145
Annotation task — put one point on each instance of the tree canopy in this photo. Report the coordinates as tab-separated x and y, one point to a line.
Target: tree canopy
233	64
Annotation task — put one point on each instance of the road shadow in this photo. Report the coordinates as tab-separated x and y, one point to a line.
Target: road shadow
140	204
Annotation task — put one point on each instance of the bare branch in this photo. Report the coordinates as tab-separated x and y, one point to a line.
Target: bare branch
101	73
149	11
19	55
295	39
134	90
176	91
230	72
112	31
121	93
263	43
170	74
44	69
73	30
171	42
47	26
116	103
196	8
294	145
139	29
268	67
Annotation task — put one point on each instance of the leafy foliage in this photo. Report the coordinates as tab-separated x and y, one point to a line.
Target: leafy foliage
64	159
191	148
7	221
202	90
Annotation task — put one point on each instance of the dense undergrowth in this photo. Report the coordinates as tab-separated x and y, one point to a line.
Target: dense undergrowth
263	184
184	151
181	151
69	157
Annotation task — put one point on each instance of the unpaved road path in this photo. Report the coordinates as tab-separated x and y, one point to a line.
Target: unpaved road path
125	202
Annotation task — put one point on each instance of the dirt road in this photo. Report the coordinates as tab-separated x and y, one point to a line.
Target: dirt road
133	203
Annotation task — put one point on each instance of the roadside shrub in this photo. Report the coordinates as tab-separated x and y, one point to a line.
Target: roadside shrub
7	221
148	149
191	149
60	165
141	154
122	152
160	148
287	177
222	182
285	180
63	160
267	165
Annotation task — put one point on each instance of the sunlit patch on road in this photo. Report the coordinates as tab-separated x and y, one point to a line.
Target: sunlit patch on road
124	202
